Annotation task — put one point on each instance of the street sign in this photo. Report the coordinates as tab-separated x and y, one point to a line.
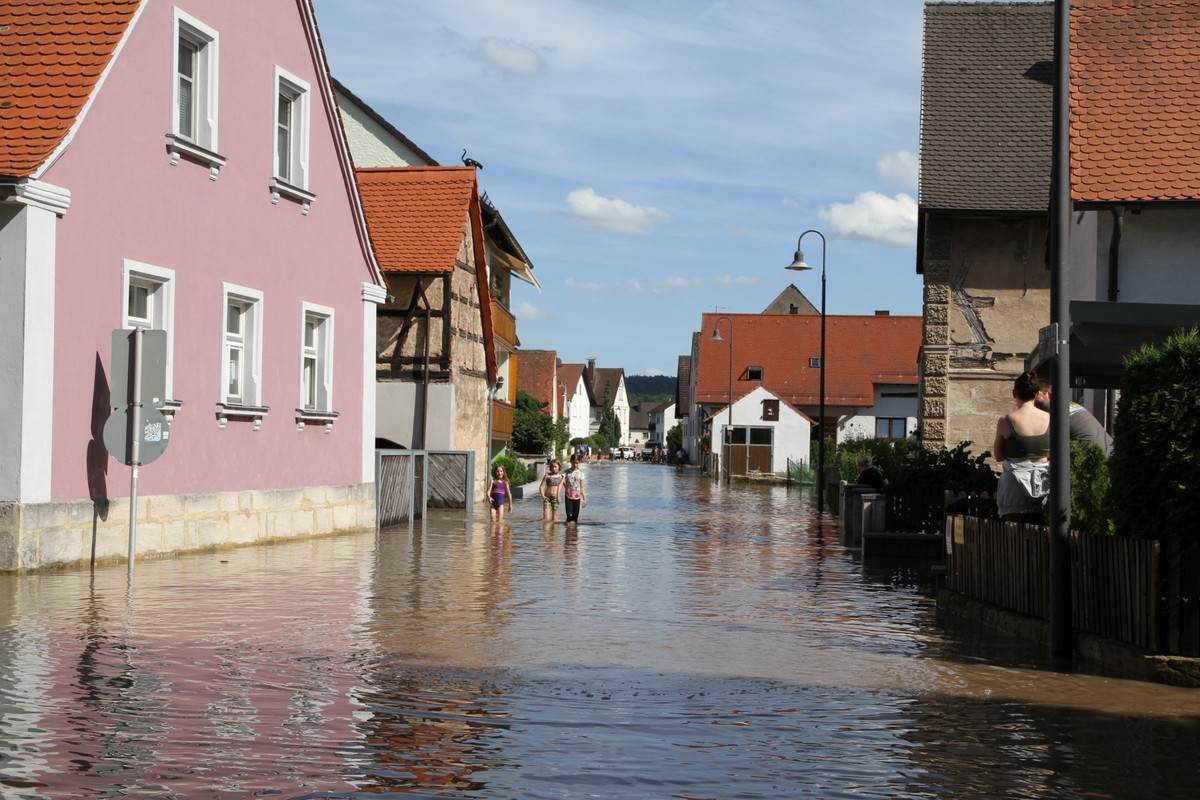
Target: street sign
154	368
154	434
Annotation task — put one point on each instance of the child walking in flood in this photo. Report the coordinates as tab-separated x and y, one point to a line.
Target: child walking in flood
499	494
551	490
576	489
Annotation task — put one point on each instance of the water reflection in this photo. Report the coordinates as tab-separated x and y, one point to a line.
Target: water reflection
685	640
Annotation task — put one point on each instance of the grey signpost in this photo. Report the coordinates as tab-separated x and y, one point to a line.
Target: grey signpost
137	433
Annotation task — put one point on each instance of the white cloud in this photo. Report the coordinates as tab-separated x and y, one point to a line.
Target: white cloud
527	310
634	286
512	57
652	372
899	168
875	217
736	280
614	214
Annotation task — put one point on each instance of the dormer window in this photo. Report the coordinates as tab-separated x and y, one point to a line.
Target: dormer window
754	373
814	362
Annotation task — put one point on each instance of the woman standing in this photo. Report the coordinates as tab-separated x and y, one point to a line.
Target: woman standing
1022	447
576	491
499	494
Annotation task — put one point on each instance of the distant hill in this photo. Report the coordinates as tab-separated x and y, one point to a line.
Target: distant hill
643	388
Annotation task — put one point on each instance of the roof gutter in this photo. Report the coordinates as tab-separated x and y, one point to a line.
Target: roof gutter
1114	251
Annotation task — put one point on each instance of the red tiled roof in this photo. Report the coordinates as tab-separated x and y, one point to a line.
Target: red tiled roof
1135	100
417	216
859	352
51	56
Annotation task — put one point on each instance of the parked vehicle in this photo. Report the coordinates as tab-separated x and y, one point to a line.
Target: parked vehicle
625	452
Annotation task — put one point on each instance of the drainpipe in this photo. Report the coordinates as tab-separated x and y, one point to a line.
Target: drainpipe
1114	251
1114	272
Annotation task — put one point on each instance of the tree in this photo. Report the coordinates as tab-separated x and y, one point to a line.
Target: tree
674	440
533	430
610	426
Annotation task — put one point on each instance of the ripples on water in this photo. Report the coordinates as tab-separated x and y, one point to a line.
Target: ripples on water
687	641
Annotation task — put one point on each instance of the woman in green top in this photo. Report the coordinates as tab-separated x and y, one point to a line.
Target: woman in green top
1022	447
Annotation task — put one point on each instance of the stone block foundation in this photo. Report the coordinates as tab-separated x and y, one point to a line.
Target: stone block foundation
81	533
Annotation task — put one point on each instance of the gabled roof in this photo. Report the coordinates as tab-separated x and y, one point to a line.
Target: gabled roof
417	216
1135	100
791	301
378	119
606	378
987	106
570	375
860	351
683	386
53	57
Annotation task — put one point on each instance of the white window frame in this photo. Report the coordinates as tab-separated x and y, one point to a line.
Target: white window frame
201	143
160	283
294	173
250	346
320	352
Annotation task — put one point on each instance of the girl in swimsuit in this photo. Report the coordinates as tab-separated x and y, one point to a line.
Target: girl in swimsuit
499	494
551	488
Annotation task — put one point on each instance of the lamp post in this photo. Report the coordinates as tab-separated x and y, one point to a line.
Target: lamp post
799	265
716	337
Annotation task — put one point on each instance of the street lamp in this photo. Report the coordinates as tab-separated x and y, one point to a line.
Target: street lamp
799	265
716	337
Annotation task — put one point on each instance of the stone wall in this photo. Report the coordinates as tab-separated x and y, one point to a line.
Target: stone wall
72	534
987	295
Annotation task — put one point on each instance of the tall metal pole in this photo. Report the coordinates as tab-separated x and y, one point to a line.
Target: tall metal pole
821	404
135	441
798	264
716	337
1060	320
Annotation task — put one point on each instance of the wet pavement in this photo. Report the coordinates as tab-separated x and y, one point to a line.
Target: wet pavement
685	641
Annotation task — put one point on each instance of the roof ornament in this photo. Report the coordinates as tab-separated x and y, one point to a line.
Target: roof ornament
470	162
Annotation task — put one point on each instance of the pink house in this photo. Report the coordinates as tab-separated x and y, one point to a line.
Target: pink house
180	166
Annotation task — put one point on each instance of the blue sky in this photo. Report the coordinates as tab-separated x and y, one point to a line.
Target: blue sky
658	159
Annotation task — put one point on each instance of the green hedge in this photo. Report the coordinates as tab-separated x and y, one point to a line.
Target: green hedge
1155	465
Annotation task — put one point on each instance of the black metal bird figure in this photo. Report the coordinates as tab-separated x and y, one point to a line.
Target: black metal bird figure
470	162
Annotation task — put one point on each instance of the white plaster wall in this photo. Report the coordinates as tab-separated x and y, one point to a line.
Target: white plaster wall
13	219
1158	256
371	145
397	403
28	263
793	432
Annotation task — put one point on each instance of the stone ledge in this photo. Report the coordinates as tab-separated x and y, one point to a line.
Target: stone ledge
1107	656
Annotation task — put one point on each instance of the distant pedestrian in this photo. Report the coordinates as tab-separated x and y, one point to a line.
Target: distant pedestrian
551	491
867	474
576	488
499	494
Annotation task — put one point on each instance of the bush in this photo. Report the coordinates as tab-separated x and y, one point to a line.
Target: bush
953	469
533	429
1155	465
518	473
1091	505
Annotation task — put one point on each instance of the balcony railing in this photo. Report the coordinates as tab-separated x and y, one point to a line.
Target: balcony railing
504	324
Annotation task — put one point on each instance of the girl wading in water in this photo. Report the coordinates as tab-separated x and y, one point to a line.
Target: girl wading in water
576	491
551	489
499	494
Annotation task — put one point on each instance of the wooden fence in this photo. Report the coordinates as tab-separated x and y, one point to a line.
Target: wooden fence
1143	593
407	482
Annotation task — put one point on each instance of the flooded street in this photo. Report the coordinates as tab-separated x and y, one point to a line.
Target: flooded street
686	641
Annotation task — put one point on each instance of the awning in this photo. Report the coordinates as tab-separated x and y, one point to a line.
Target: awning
516	266
1102	334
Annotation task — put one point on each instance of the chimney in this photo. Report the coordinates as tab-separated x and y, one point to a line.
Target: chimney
591	372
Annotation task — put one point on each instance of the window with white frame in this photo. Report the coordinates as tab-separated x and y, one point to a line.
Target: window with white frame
241	362
890	427
149	297
291	129
194	84
316	358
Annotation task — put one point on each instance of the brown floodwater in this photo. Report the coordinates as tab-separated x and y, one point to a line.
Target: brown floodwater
685	641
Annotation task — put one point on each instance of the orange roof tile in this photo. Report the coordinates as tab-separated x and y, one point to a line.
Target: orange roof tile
417	216
51	56
1135	100
859	352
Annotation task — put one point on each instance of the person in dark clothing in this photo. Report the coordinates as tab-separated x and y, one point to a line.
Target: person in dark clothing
1081	423
867	474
